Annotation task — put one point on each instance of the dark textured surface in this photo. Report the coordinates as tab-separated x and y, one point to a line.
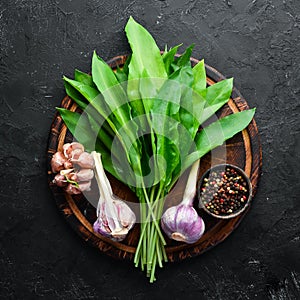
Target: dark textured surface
256	41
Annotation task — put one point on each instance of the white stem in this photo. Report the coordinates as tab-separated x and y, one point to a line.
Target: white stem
190	190
103	183
105	191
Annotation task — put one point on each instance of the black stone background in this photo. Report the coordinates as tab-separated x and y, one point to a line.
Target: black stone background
256	42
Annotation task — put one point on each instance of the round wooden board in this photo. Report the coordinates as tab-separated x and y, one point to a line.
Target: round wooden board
243	150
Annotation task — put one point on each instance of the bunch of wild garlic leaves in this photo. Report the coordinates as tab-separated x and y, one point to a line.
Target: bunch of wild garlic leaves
144	119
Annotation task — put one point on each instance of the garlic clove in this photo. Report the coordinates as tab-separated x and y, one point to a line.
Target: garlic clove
72	189
60	180
85	186
66	149
76	153
85	175
72	176
73	150
68	165
85	160
57	162
125	214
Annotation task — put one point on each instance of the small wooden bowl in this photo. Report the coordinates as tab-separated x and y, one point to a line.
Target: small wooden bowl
223	167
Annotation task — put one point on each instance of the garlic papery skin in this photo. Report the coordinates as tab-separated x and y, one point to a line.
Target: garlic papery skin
182	222
114	216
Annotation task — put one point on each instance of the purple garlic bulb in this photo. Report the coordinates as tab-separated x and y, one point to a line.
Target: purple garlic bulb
114	216
114	224
182	223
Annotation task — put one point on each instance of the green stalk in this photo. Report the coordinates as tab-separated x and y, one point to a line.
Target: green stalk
153	234
154	217
152	276
149	234
158	252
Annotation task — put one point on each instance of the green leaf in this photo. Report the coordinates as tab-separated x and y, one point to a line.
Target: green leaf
147	90
218	132
79	127
145	56
188	104
199	73
121	75
116	99
75	95
126	65
98	103
185	58
87	91
216	96
112	91
83	104
84	78
168	58
145	53
165	117
219	92
94	98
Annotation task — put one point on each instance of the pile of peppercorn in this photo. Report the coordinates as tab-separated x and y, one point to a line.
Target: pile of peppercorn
224	191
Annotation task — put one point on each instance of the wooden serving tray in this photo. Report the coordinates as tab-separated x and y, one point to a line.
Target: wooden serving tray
243	150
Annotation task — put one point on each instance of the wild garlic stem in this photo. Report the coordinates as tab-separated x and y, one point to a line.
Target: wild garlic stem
103	183
190	190
106	192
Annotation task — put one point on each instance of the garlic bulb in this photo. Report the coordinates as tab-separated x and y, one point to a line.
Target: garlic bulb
71	178
114	216
181	222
